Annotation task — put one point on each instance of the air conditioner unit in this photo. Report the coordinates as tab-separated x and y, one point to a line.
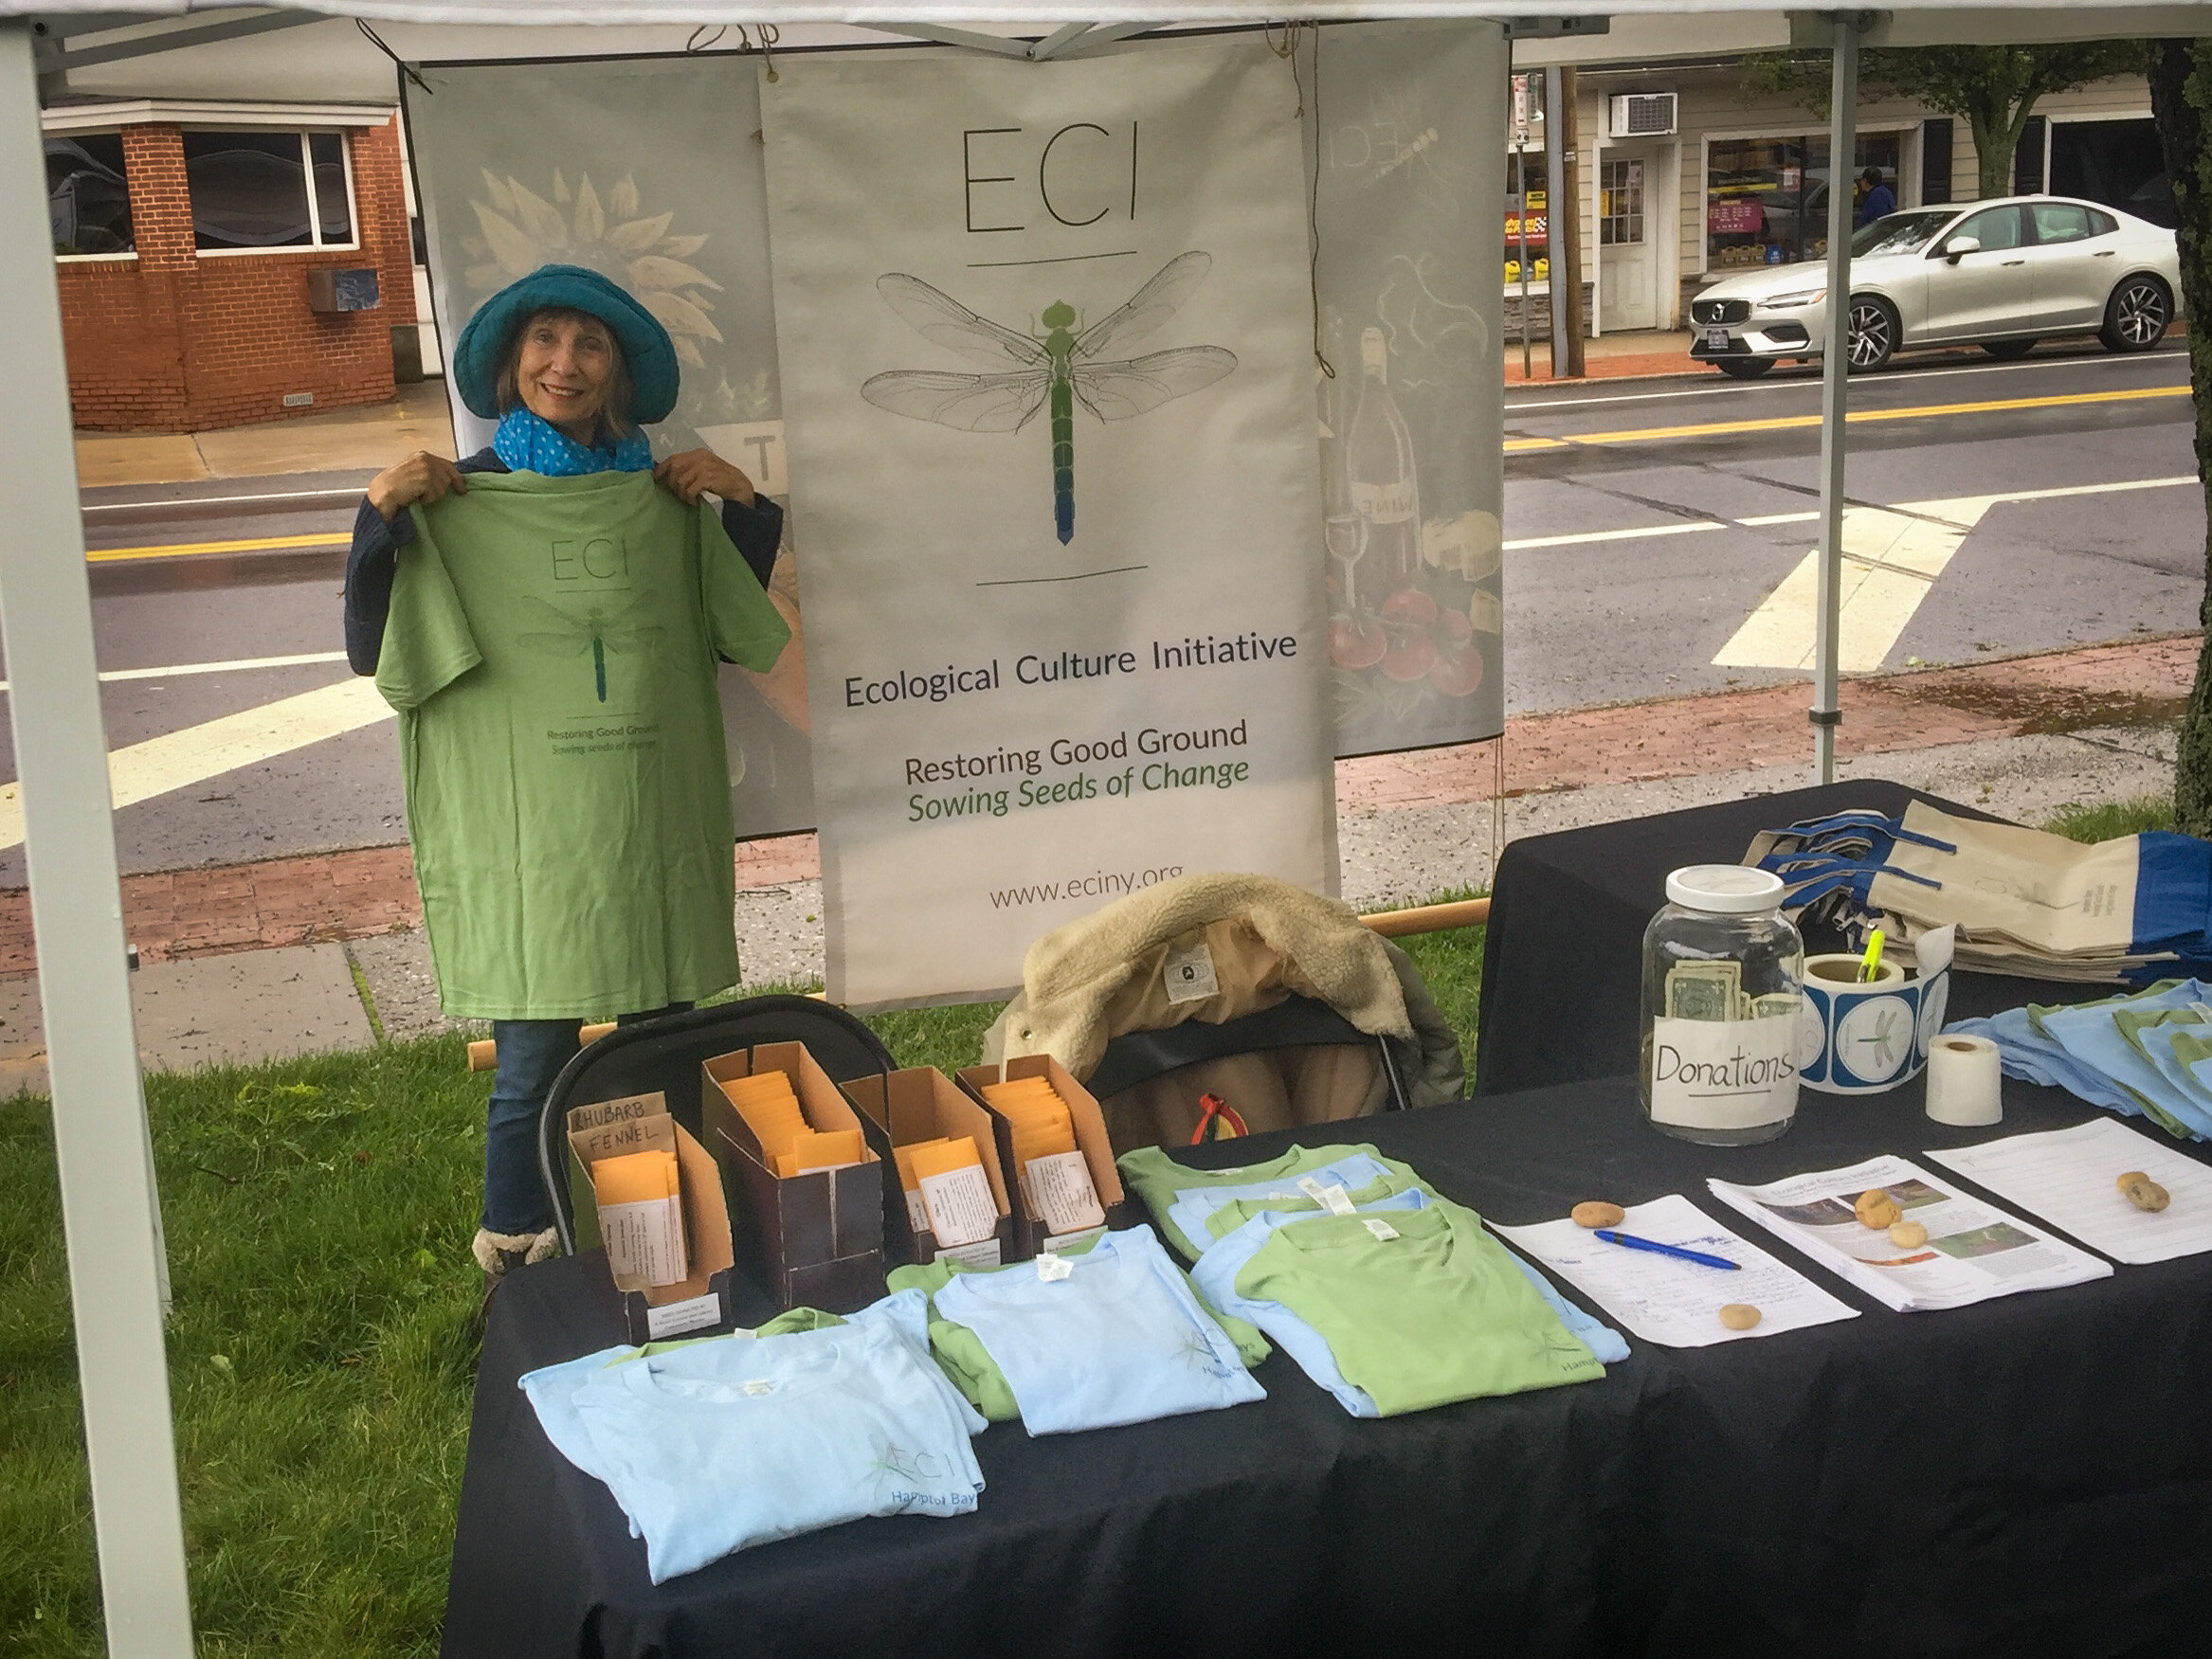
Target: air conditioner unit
1643	114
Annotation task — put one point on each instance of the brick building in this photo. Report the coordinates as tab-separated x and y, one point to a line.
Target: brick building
216	260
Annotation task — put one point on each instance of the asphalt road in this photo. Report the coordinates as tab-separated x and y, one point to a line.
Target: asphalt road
1668	473
1630	569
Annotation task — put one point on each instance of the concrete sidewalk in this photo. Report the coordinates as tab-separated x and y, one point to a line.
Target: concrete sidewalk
368	438
365	438
1640	356
259	961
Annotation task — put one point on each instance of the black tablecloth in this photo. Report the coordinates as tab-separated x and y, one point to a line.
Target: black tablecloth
1563	960
2026	1476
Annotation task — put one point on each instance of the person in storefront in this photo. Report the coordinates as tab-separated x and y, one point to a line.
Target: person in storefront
571	367
1880	201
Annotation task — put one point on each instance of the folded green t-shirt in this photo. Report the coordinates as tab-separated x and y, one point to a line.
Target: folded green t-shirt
1156	1177
1234	1214
1418	1308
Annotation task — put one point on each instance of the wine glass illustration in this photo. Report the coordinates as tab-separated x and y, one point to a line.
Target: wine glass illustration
1346	537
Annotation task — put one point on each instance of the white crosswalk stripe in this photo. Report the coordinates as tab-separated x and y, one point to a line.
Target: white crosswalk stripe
1892	558
176	760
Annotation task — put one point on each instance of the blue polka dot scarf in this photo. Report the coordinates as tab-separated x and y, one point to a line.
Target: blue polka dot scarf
529	443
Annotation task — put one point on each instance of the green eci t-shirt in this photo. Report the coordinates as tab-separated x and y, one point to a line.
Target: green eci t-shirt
551	651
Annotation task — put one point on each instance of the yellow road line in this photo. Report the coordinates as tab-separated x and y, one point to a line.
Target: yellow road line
1794	422
179	549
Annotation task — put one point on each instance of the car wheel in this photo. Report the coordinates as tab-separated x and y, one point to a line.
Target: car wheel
1743	367
2137	315
2005	350
1873	334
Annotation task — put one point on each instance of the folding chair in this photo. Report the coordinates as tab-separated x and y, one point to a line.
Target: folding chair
663	1056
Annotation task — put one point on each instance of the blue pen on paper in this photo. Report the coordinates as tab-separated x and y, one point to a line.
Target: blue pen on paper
1653	1245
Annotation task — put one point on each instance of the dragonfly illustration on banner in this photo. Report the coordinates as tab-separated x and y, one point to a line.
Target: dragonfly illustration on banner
596	631
1059	362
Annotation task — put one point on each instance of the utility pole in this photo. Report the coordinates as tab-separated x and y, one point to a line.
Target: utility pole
1562	221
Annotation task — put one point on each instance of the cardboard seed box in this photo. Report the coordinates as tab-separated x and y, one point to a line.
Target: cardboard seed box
1031	1234
814	1240
899	1108
641	1122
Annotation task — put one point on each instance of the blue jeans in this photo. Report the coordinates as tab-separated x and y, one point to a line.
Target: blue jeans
531	1053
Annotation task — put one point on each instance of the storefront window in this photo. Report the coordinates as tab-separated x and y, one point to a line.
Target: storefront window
1621	206
258	190
1536	193
1767	199
2117	163
87	200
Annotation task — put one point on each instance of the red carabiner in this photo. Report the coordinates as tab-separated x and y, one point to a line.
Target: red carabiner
1217	1116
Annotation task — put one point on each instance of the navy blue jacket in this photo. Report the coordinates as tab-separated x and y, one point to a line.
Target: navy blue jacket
757	530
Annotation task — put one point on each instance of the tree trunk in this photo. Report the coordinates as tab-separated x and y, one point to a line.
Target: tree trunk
1996	142
1996	137
2181	100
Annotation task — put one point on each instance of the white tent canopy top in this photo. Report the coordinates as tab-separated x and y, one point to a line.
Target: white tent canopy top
2033	20
110	1208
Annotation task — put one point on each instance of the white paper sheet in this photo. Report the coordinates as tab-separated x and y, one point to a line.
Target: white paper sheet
1974	1251
2070	1179
1677	1304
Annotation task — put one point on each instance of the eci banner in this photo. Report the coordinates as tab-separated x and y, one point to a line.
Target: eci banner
1045	336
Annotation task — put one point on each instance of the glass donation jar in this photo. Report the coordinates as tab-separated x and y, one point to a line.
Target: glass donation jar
1723	984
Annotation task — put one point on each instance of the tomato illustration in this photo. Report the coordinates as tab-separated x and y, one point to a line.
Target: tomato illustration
1357	642
1459	666
1408	617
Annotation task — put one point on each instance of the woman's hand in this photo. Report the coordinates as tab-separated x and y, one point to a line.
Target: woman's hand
701	472
423	477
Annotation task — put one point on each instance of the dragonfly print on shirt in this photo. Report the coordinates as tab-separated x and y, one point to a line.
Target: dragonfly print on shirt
1059	365
561	633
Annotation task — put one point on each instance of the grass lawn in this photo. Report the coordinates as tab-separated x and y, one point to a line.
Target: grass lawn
318	1214
2103	820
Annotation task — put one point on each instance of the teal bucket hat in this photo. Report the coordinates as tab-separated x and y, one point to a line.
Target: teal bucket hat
645	345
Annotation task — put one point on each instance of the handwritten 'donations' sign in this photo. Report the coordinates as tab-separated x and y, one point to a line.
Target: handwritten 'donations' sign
1046	344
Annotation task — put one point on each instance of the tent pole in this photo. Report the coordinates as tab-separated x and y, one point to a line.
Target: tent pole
109	1218
1835	375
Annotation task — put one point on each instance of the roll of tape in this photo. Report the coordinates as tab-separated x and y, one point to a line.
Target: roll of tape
1965	1081
1861	1036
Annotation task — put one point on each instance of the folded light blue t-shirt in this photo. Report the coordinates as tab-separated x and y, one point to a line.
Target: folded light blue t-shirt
1118	1340
729	1443
2086	1032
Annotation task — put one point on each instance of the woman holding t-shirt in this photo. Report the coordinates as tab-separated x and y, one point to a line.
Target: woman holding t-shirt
570	367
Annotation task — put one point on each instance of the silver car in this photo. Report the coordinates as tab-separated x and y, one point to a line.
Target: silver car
1998	275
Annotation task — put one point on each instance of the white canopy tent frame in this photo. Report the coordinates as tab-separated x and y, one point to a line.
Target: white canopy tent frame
109	1203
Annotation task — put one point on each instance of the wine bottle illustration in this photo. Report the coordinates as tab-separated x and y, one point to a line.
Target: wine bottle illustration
1379	466
1343	533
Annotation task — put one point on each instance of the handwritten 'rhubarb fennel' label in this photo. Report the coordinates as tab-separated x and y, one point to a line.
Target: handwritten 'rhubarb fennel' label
1723	1073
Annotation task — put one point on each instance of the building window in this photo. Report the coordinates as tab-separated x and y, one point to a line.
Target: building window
1935	161
87	200
1527	219
1767	199
2117	163
2028	157
255	190
1619	203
